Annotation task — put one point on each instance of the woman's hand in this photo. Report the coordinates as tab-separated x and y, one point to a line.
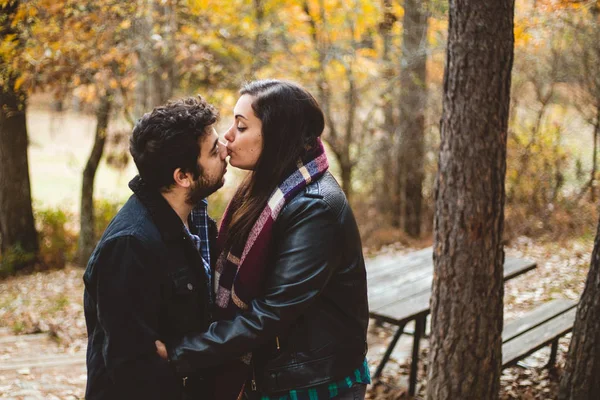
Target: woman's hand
161	350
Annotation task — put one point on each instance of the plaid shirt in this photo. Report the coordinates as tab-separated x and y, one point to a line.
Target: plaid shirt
199	224
327	390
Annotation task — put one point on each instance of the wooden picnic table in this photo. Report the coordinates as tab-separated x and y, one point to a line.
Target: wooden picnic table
399	290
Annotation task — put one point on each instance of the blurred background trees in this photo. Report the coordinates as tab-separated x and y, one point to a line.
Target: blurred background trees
376	67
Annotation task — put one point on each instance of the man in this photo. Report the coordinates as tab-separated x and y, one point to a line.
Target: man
149	276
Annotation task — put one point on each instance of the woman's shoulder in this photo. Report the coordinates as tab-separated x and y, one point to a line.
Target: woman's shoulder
324	194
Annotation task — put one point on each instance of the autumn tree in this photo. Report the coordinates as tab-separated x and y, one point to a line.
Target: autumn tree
585	63
338	64
412	105
153	38
17	229
84	48
580	378
466	319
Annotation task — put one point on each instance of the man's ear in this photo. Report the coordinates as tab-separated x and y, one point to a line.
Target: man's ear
182	179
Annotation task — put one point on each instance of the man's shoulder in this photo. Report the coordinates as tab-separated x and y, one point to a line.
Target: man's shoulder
132	223
133	219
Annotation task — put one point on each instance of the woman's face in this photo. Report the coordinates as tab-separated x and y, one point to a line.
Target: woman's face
244	137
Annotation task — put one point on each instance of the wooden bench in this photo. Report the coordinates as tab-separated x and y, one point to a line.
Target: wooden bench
400	292
538	328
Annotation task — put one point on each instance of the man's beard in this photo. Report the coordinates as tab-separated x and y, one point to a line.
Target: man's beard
202	188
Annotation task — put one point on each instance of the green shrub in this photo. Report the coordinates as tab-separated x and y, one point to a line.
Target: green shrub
12	259
58	244
104	212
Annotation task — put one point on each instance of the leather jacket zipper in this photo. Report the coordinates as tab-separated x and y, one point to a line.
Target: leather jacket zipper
253	382
277	342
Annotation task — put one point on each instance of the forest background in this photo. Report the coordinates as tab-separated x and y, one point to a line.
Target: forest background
83	72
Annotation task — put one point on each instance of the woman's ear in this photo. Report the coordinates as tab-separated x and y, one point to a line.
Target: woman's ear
182	179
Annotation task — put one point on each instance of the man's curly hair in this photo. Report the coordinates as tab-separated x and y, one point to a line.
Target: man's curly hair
167	138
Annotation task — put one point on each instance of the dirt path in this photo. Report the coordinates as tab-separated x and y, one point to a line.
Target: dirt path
35	367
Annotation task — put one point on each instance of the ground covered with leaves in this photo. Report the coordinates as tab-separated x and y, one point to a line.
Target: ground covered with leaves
43	336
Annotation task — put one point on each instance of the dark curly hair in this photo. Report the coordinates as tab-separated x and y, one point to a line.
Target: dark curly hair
167	138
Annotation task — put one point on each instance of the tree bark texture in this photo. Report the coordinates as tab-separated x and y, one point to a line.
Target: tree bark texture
581	376
17	227
413	103
87	236
466	343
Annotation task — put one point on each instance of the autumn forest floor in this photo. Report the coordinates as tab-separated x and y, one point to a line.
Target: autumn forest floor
43	336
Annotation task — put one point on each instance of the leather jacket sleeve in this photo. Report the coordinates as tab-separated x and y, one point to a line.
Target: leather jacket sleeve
306	258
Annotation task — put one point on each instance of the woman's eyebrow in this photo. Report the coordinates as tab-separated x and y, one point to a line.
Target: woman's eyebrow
240	116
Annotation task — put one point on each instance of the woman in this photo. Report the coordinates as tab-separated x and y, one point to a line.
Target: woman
291	294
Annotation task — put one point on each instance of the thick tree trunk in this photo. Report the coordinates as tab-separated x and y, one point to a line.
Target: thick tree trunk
87	237
413	102
17	228
580	380
466	343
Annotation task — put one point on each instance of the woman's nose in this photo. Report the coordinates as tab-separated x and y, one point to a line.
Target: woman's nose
229	135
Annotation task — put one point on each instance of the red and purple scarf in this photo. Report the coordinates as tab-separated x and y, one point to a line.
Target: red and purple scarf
240	271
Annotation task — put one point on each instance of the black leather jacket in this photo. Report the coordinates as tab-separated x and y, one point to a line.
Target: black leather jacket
144	281
310	325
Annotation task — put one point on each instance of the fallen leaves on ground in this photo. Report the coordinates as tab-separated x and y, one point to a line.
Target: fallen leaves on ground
51	302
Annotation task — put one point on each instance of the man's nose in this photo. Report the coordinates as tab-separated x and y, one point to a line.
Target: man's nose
223	150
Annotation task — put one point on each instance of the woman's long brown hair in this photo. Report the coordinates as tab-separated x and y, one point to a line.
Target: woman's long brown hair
291	121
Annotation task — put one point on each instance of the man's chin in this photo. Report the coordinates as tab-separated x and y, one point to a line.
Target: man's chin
205	192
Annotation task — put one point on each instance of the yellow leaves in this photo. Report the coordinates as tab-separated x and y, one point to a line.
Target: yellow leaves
19	82
368	53
126	24
522	35
113	83
398	10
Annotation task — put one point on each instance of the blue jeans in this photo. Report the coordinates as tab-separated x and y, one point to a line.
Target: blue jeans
356	392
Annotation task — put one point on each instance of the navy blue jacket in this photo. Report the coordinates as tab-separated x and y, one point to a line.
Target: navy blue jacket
144	281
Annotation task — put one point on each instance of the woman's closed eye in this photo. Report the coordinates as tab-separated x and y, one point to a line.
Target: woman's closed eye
241	128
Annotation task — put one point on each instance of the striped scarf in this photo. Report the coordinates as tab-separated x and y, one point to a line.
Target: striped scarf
240	271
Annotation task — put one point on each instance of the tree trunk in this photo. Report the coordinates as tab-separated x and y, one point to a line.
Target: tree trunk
595	156
87	237
413	102
346	175
389	202
338	143
260	40
580	377
17	227
466	342
155	67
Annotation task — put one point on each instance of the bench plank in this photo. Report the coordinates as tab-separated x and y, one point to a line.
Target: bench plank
536	317
399	291
395	303
386	263
536	338
399	267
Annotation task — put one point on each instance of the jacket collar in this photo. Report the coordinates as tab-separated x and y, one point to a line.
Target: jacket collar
166	219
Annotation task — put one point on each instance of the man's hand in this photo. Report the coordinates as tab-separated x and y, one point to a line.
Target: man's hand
161	350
